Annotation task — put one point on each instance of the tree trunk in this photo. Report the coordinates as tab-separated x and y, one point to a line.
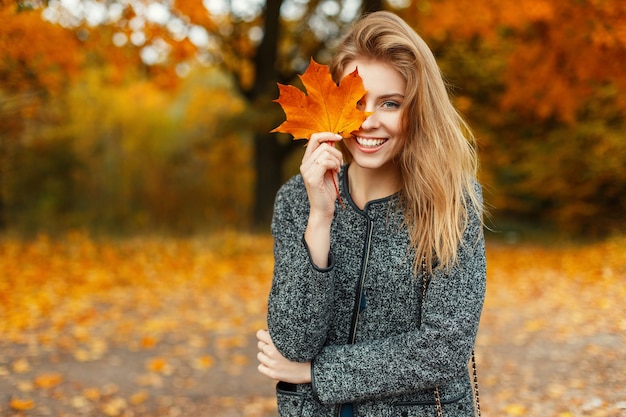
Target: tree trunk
2	205
265	70
268	162
268	155
370	6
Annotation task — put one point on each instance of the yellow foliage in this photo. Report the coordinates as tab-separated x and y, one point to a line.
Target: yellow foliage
20	366
159	365
148	342
159	158
204	362
20	404
48	380
76	274
92	394
515	410
139	397
138	292
114	407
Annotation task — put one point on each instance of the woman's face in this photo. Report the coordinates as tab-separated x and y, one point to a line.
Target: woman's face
380	138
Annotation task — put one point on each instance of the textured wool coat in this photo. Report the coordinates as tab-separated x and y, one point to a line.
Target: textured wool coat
401	346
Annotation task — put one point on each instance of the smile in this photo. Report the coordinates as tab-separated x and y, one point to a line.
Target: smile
369	143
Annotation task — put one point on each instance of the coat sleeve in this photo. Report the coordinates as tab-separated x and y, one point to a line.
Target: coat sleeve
434	354
301	296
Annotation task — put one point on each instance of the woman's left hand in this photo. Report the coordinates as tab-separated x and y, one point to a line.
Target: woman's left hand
276	366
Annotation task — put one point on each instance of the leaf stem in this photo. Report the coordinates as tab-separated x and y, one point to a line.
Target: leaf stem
343	206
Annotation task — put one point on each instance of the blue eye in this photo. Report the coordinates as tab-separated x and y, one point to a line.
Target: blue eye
390	105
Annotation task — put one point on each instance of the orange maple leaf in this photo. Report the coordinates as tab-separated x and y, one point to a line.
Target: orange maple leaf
327	107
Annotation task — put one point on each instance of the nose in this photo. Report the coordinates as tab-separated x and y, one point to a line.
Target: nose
368	106
371	122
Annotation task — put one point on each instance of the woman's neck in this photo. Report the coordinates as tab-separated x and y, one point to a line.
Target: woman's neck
372	184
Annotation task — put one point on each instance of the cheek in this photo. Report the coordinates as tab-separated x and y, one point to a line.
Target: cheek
398	134
398	146
394	124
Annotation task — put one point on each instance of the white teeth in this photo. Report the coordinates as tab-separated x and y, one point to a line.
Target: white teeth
370	143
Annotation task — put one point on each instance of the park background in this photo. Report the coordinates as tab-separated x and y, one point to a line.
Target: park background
137	176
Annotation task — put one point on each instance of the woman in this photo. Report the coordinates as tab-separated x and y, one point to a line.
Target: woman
374	308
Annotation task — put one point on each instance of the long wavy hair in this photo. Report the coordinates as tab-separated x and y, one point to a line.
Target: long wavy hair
438	162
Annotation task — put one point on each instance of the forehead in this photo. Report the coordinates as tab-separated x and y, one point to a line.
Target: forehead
378	77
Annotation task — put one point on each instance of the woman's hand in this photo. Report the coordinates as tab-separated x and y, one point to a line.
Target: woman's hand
276	366
320	165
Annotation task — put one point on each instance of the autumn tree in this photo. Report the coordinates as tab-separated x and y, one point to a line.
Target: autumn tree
544	84
93	135
541	81
260	44
37	59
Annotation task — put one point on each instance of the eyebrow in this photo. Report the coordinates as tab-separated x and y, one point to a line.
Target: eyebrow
388	96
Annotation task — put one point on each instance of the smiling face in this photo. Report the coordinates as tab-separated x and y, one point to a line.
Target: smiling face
380	138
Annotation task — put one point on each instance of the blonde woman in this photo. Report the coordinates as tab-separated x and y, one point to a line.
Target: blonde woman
374	308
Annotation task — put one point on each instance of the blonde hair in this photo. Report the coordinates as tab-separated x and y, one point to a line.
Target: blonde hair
438	162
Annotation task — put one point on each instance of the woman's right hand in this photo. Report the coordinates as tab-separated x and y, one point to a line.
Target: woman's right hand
320	168
320	165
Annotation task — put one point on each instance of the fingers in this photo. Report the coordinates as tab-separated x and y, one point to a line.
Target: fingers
318	139
263	368
321	152
325	158
263	357
264	343
264	336
265	349
267	371
265	354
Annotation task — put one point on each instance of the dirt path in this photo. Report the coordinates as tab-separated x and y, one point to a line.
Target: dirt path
133	383
527	376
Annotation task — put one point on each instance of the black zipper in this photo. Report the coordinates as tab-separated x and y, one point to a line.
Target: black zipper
359	290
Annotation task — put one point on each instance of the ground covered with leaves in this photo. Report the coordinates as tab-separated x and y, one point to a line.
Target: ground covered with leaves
157	326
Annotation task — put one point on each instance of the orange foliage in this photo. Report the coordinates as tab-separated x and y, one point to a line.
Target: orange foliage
35	54
197	12
568	292
327	107
56	291
200	301
560	50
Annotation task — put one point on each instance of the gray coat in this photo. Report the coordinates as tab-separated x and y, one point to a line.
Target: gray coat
402	347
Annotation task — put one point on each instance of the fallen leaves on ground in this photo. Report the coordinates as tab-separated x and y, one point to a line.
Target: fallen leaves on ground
164	327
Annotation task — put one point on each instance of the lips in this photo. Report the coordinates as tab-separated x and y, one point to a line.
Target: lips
369	142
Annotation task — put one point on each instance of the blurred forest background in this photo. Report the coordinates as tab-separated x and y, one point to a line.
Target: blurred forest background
153	116
137	177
